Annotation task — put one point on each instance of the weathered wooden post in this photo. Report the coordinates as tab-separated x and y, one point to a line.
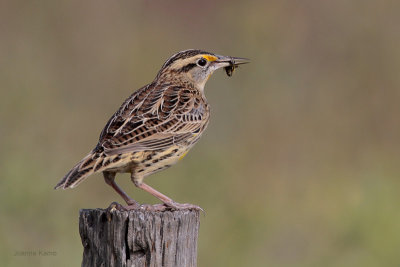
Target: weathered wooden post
139	238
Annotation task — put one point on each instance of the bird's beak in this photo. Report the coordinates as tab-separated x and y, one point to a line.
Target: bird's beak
224	61
230	63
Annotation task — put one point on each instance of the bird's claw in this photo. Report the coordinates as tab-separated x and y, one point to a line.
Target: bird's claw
155	208
170	207
183	206
116	206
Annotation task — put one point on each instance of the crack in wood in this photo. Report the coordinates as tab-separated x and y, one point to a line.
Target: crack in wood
139	238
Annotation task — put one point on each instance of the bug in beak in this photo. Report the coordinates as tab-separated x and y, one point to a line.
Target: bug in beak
233	63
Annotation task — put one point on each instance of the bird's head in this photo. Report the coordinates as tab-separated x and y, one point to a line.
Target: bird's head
197	66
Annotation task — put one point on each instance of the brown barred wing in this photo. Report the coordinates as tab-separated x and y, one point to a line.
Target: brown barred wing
164	118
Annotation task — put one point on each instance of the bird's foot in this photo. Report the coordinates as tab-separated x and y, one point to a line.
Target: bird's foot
183	206
116	206
156	207
169	206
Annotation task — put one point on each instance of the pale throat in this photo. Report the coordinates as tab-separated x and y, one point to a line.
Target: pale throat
200	85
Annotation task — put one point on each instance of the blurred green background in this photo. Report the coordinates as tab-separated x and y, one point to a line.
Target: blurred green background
299	166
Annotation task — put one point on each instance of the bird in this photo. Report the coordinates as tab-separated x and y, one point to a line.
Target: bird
155	127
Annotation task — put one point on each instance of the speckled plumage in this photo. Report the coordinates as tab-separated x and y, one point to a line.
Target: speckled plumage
155	127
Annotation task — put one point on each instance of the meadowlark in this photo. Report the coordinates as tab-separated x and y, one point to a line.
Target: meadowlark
156	126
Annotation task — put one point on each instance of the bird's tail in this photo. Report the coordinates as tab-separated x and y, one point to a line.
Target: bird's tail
92	163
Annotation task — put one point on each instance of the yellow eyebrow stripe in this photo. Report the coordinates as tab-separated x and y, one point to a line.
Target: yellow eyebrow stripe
210	58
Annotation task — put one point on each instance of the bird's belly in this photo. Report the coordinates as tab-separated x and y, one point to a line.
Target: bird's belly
144	163
155	161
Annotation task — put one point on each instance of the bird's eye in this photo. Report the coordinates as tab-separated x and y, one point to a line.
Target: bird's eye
202	62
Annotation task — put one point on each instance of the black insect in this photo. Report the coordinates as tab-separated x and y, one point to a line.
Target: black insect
231	68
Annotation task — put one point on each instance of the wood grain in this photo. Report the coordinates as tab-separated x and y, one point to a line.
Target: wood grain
139	238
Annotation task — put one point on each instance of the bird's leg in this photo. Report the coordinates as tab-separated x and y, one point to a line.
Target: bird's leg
109	178
166	200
